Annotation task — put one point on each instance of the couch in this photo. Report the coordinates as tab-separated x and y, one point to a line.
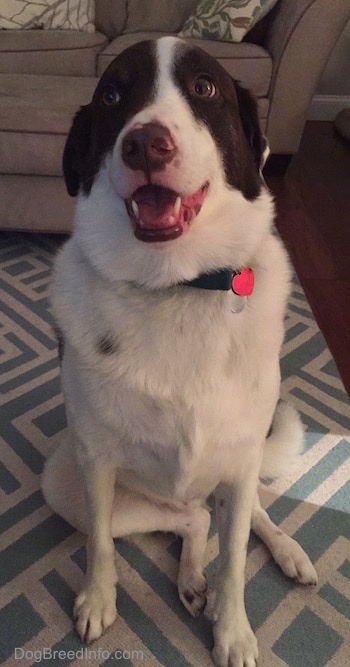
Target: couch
46	75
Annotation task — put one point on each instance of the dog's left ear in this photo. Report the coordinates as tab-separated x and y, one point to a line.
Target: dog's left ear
76	151
248	110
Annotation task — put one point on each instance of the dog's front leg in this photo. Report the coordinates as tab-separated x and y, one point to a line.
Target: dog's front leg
95	606
234	641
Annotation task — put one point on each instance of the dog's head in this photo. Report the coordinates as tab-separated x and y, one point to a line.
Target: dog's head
167	159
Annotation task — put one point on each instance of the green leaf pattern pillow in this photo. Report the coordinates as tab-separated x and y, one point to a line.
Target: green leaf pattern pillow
47	15
225	20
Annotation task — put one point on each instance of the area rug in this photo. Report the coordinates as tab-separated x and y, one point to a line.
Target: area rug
42	558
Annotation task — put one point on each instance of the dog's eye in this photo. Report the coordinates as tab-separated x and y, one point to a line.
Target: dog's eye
203	87
110	96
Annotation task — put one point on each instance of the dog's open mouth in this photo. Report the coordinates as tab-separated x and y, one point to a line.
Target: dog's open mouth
160	214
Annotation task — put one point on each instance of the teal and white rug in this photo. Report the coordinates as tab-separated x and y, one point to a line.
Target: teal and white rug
42	558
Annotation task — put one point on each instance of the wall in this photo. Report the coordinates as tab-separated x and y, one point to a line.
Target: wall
333	91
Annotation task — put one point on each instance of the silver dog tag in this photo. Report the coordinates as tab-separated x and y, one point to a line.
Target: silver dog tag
239	303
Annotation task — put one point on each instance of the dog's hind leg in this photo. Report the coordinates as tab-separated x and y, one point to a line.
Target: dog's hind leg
289	555
134	513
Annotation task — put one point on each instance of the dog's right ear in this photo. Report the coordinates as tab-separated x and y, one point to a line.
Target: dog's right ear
76	150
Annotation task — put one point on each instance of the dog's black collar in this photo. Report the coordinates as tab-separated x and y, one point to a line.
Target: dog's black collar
216	280
240	282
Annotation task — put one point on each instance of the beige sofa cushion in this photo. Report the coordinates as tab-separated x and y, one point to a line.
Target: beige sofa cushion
55	52
158	15
35	204
110	17
248	63
36	113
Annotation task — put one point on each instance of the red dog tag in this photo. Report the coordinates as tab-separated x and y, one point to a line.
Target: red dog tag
243	282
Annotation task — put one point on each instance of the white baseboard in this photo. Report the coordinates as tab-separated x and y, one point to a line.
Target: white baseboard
326	107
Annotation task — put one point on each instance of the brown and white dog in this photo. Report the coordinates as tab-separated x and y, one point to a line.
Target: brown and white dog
170	366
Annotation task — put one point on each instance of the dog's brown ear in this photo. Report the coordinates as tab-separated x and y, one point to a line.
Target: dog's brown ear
76	150
248	110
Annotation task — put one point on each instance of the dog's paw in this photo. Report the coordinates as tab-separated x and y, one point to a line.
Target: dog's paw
295	563
94	611
234	645
192	588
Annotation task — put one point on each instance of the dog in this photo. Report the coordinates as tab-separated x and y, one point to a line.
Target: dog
169	298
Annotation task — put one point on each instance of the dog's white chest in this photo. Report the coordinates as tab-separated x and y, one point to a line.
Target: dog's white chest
170	392
189	455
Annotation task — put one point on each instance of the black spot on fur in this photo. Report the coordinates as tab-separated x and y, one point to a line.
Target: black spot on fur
97	125
189	597
221	502
269	432
107	346
231	115
60	342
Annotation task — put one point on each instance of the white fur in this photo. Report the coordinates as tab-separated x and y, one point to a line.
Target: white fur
183	406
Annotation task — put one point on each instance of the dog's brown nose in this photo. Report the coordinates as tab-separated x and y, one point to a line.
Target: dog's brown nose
148	147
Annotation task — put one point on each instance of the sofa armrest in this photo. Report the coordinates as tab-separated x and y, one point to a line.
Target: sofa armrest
300	40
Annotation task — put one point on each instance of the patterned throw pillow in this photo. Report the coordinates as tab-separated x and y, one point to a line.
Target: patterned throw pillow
47	15
225	20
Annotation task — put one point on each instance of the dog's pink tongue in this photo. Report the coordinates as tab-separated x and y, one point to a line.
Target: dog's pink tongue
156	206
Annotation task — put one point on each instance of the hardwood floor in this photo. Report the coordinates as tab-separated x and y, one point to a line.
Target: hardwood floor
313	218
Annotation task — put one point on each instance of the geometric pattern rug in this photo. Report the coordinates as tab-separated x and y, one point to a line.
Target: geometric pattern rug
42	559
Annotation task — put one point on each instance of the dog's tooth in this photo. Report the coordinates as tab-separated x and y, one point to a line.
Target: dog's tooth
141	223
135	208
177	205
